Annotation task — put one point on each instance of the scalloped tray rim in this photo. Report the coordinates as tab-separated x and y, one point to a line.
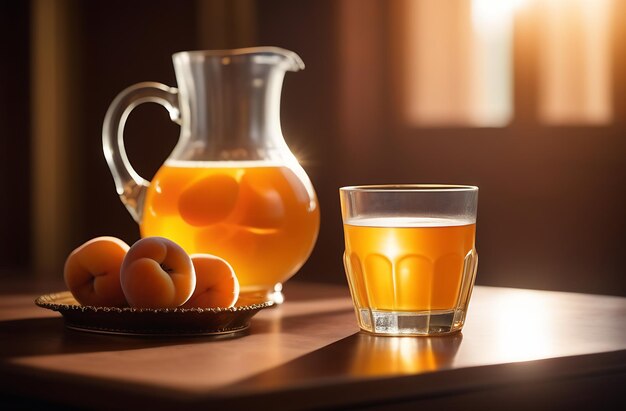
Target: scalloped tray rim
48	301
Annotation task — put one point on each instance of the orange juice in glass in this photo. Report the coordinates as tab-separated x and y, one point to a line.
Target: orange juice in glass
410	256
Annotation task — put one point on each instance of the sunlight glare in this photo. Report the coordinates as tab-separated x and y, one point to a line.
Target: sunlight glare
524	327
493	12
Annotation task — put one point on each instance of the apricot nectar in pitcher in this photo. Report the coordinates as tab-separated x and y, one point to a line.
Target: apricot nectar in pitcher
258	216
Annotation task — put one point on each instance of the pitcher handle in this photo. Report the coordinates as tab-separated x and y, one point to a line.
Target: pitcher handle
130	186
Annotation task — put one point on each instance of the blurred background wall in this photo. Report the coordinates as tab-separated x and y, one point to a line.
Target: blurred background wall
524	98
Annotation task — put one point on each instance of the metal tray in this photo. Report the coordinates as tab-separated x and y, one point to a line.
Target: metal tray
216	322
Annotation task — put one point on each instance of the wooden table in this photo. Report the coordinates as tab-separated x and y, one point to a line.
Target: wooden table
520	349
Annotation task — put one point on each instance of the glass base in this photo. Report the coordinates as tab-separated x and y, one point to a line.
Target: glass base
398	323
277	294
274	294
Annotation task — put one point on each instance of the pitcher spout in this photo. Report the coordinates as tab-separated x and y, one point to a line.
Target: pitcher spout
292	60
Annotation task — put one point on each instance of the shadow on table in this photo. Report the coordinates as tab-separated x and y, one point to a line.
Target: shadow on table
47	336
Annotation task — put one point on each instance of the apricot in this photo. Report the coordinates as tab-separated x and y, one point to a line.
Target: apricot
209	200
261	204
216	283
157	273
92	272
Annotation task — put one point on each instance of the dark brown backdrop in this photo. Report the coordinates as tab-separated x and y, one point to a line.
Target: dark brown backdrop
551	208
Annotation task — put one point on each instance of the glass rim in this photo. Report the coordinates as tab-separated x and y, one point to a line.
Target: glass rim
409	188
295	59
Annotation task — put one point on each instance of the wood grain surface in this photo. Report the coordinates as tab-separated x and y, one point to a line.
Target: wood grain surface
308	354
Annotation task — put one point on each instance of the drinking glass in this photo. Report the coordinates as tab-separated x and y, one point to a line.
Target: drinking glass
410	256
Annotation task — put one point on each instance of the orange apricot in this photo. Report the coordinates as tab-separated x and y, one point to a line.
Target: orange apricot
92	272
216	283
157	273
209	200
261	204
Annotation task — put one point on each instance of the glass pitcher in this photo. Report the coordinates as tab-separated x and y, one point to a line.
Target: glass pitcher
231	187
